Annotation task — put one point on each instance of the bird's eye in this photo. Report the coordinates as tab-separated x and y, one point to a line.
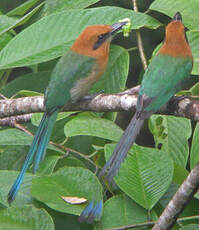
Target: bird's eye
101	36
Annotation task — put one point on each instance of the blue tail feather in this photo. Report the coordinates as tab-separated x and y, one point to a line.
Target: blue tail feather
37	149
121	150
44	139
91	212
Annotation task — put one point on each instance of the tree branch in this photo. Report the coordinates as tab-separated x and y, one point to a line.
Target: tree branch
13	120
12	109
139	40
179	201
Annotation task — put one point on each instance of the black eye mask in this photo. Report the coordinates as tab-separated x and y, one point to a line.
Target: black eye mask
101	39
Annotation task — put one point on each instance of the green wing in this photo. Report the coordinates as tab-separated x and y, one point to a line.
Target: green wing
69	69
163	79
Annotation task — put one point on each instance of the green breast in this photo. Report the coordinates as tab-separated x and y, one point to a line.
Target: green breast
163	79
69	69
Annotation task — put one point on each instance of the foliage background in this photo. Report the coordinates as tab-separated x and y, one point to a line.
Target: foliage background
33	36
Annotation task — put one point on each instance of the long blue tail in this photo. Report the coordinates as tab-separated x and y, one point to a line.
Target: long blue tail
91	212
37	150
121	150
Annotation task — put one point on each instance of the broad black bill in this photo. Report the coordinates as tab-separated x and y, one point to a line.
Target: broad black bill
177	17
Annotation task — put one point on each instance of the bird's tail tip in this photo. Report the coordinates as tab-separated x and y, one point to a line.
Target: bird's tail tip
13	191
92	212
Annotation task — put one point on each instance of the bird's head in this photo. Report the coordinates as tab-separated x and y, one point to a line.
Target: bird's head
176	43
95	40
175	30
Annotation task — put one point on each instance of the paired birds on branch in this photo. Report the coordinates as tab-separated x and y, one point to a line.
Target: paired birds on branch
82	66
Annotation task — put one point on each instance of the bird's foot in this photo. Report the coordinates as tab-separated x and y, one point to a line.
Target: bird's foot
91	96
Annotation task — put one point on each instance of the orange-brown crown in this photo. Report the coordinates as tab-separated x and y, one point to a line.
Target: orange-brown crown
85	42
175	43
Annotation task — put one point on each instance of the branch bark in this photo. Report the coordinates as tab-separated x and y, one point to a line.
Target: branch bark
12	109
184	194
139	40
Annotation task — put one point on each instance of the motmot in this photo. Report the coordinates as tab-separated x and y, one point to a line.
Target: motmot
72	77
168	69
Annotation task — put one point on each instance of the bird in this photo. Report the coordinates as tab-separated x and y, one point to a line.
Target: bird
168	69
75	72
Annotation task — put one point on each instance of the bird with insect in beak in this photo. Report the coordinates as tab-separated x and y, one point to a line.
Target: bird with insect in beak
168	69
71	79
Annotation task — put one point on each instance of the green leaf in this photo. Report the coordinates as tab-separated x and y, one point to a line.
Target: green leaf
180	174
69	161
50	41
114	79
6	22
7	179
27	217
190	227
4	39
28	93
195	90
189	11
16	137
12	157
172	134
48	165
53	6
92	126
68	181
22	9
33	82
36	117
168	195
20	21
121	211
145	175
193	38
194	158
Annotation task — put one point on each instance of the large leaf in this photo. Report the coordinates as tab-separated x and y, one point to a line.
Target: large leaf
121	211
23	8
7	179
36	117
189	10
4	39
193	37
52	6
194	158
27	217
16	137
68	181
6	22
33	81
172	134
114	79
190	227
20	21
92	126
145	175
180	174
50	41
12	157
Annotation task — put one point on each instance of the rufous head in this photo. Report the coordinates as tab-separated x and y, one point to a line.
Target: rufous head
95	40
175	29
176	43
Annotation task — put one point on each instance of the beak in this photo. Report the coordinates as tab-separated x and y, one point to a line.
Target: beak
177	17
116	27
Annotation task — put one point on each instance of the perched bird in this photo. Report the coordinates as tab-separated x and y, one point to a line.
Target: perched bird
71	79
162	79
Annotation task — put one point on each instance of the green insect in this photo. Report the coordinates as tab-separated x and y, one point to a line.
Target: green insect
126	29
